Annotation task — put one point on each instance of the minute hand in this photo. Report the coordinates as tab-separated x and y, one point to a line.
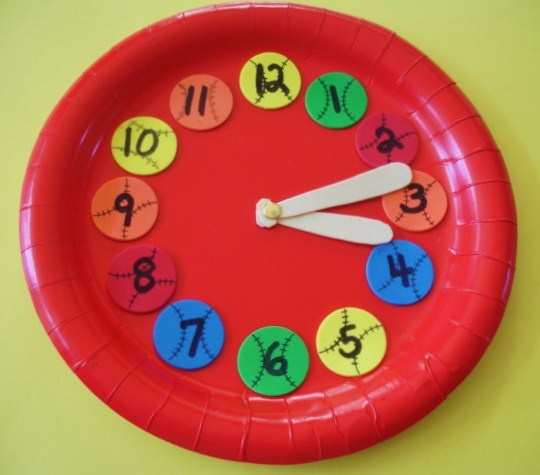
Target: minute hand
370	184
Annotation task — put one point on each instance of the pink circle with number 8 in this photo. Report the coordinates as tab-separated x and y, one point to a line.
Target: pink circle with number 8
141	279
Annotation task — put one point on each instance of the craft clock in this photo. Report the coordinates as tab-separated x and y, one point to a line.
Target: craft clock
268	232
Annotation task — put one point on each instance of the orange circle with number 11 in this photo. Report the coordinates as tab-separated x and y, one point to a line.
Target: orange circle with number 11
201	102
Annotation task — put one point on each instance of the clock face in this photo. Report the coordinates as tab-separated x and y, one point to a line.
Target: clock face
263	344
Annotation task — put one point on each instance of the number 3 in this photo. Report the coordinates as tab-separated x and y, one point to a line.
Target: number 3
419	195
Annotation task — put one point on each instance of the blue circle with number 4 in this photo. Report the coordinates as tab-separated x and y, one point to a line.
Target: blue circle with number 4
188	334
400	272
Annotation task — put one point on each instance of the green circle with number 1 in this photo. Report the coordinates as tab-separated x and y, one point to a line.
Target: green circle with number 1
336	100
273	361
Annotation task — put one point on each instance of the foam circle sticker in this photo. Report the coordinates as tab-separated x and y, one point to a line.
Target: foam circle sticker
384	137
273	361
400	272
201	102
351	341
141	279
188	334
144	145
420	206
336	100
124	208
270	80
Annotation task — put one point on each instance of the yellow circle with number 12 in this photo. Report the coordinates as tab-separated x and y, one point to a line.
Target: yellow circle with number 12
270	80
144	145
351	341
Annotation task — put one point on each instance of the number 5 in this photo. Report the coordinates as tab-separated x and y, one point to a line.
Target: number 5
346	339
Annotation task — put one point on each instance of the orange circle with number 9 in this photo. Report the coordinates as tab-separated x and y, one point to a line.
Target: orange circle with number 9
124	208
419	206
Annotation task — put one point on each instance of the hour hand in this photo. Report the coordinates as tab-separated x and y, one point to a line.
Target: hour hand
376	182
354	229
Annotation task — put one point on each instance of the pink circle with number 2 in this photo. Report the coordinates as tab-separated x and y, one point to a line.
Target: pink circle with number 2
384	138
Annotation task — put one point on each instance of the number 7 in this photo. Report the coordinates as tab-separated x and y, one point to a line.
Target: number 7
199	323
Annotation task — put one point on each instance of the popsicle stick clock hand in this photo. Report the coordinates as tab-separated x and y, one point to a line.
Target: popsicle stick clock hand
301	211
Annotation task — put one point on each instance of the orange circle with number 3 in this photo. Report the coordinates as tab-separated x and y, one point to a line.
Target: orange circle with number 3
419	206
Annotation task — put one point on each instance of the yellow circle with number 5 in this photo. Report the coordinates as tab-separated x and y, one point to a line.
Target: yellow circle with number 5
351	341
144	145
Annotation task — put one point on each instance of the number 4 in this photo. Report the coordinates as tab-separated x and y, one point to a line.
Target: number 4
401	270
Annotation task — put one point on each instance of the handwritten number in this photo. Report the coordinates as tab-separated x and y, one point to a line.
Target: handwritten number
262	85
199	325
124	203
275	366
401	270
144	280
335	99
202	100
140	141
419	195
357	344
127	143
386	146
189	100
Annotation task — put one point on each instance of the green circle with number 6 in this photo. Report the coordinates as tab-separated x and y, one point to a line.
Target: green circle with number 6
273	361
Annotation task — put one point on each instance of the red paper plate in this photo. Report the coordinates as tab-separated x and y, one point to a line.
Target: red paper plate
234	278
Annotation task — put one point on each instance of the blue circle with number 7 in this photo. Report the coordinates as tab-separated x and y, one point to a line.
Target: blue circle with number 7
188	334
400	272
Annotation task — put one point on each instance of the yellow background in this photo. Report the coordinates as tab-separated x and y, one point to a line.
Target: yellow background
51	424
